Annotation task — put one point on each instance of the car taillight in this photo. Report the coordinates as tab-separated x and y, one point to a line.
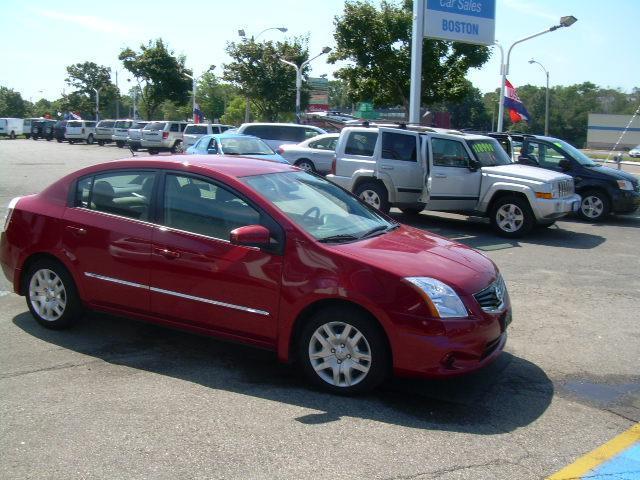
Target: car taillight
333	165
165	135
280	150
7	219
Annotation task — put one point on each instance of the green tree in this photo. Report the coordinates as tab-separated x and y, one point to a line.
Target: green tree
160	74
173	111
11	103
469	111
85	77
378	44
213	95
259	75
339	95
234	113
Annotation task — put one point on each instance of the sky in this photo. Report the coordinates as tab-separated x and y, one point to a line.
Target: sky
42	37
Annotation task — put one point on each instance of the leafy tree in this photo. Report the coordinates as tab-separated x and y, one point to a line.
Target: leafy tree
85	77
213	96
160	74
173	111
378	44
469	111
234	113
44	107
259	74
11	103
339	95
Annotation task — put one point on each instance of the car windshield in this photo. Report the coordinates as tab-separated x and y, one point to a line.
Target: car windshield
245	146
319	207
573	152
489	152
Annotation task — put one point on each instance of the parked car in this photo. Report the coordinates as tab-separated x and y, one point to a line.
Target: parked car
163	136
11	127
80	131
121	132
134	135
258	252
276	134
313	155
26	126
449	171
104	131
603	190
195	131
59	129
234	144
42	128
635	152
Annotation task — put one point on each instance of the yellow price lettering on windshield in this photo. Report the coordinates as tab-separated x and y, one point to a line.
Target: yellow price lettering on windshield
483	148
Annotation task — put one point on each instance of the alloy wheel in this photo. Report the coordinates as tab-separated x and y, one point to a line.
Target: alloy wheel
47	294
592	206
510	217
371	197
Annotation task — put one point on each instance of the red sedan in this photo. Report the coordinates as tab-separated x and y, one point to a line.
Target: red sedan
258	252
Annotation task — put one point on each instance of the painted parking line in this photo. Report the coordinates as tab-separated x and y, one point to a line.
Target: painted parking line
617	459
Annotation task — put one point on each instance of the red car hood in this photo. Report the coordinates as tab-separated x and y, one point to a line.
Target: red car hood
409	252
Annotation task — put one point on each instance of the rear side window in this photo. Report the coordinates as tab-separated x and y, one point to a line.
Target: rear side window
74	124
223	128
361	143
174	127
196	129
156	126
90	124
449	153
310	133
127	194
261	131
123	124
105	124
397	146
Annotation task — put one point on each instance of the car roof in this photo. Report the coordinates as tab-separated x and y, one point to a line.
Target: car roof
281	125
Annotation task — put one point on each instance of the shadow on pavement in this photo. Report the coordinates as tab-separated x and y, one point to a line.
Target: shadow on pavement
509	394
625	221
477	233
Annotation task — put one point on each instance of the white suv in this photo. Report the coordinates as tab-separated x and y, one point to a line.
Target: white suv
449	171
163	136
121	132
104	131
134	135
195	131
80	131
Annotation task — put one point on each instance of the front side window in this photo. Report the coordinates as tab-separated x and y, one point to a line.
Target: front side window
545	155
324	144
361	143
202	207
398	146
449	153
310	133
127	194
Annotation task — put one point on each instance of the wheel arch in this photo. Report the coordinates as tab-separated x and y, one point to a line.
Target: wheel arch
34	257
498	194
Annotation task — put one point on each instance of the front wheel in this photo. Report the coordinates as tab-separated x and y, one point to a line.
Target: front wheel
375	195
51	295
343	351
101	143
306	165
27	136
512	217
595	206
90	139
12	135
177	147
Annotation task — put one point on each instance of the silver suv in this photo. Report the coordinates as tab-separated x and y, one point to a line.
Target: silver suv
449	171
121	132
80	131
163	136
104	131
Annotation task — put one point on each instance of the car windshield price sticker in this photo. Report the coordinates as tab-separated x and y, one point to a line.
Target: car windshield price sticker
466	21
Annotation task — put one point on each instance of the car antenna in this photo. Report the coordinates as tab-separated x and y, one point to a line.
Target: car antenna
133	153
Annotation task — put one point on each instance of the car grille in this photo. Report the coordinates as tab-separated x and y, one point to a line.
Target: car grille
491	299
565	188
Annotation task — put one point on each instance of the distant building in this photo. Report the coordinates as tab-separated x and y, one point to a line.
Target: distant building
603	131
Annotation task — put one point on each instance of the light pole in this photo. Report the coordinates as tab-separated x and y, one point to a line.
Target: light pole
194	80
299	70
134	95
243	34
504	67
546	100
97	90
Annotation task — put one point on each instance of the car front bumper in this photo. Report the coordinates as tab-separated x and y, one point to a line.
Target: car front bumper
625	201
555	208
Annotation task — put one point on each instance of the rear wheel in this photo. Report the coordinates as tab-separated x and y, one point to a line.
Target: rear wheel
595	205
120	144
344	351
51	295
412	211
512	217
27	136
153	151
12	135
374	194
101	143
306	165
177	147
90	139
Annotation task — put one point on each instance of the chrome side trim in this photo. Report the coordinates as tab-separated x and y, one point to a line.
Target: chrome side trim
177	294
116	280
211	302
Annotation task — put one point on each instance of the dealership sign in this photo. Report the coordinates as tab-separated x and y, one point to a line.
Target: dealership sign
466	21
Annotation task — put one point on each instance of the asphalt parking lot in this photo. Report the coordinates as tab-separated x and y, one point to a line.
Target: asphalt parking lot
114	398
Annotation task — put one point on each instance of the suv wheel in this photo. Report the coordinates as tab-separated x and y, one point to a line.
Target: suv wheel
343	351
51	295
595	205
101	143
306	165
512	217
177	147
375	195
412	211
12	135
90	139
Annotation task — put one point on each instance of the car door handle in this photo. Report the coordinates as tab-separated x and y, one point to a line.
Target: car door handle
386	167
76	230
166	253
440	175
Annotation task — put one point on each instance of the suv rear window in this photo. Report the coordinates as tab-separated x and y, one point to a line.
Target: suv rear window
106	124
156	126
90	124
139	125
196	129
361	143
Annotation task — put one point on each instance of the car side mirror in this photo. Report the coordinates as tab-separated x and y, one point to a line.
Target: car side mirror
527	160
564	164
250	236
474	165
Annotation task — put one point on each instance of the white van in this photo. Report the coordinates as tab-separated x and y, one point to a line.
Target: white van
276	134
80	130
195	131
11	127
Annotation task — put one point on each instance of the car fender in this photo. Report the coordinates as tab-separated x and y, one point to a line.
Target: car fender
489	194
367	174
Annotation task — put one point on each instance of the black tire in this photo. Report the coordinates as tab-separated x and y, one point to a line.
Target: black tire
49	139
177	147
153	151
595	205
374	194
523	220
120	144
90	139
378	366
34	138
12	135
306	165
59	140
72	310
27	136
412	211
101	143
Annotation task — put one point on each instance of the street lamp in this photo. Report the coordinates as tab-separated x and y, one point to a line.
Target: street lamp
299	76
504	67
546	100
97	90
194	80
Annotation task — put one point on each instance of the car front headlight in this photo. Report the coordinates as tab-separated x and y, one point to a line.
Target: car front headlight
625	185
441	296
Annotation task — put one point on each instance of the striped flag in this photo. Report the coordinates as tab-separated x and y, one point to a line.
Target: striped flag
517	111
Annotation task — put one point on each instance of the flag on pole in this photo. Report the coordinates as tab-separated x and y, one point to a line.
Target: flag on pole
198	116
517	111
